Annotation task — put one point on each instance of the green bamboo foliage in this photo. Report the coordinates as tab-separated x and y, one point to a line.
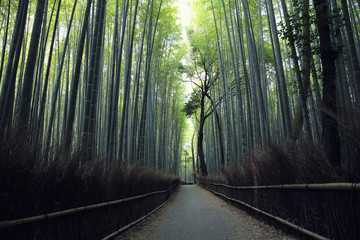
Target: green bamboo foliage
273	84
107	74
94	76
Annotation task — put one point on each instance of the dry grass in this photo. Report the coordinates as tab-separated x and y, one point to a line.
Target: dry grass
28	187
286	164
304	163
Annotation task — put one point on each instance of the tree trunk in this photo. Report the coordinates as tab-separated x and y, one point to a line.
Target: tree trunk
221	144
301	113
93	81
193	156
27	88
57	83
203	166
354	62
5	41
330	132
284	100
150	47
76	78
123	143
40	119
8	86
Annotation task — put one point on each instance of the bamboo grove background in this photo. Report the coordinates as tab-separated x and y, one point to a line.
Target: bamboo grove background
262	77
101	72
109	74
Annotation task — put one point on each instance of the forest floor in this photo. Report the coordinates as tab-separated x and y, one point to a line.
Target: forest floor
194	213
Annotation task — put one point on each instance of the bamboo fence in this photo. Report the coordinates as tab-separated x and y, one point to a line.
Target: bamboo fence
39	218
315	186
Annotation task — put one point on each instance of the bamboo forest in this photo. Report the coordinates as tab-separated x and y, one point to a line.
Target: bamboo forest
103	100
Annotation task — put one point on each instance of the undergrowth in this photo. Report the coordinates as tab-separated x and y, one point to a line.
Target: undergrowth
331	213
301	162
28	187
284	164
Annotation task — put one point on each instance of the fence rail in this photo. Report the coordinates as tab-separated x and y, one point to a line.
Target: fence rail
114	234
17	222
316	186
40	219
315	210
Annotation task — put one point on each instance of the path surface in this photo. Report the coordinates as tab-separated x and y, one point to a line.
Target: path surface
194	213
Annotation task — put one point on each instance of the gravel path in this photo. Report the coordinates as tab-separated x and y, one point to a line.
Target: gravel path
194	213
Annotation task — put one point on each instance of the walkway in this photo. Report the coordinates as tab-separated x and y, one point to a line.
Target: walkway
194	213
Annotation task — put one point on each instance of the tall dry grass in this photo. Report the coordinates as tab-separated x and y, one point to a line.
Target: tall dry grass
331	213
28	187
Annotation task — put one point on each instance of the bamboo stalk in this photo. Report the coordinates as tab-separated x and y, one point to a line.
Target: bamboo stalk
289	224
22	221
313	186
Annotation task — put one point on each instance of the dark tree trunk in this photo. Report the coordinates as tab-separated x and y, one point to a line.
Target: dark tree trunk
218	125
40	120
92	87
8	85
57	85
354	63
203	166
330	131
192	155
302	116
76	79
30	67
4	43
222	155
